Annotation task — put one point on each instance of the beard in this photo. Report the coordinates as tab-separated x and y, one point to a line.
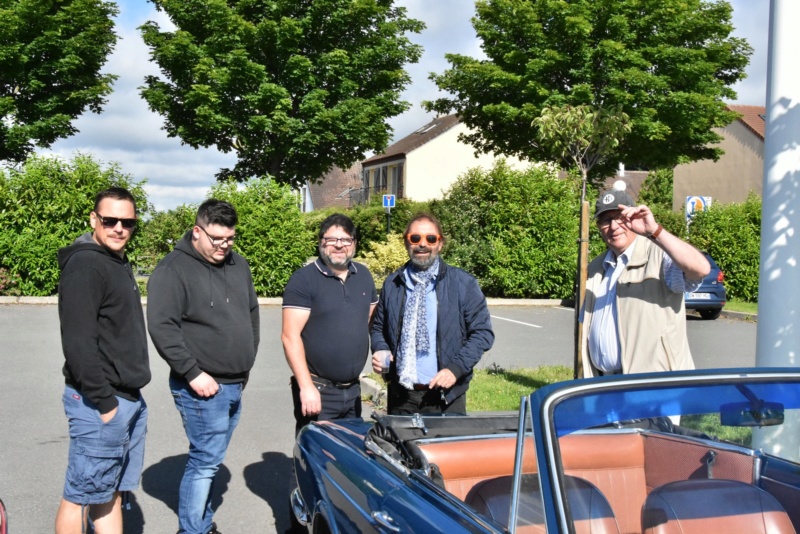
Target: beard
423	264
335	263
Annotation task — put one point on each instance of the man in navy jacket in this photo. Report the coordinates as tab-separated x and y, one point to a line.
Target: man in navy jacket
431	328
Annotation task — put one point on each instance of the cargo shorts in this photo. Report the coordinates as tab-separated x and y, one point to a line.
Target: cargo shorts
103	457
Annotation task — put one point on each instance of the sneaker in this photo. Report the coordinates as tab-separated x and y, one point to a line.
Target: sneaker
214	529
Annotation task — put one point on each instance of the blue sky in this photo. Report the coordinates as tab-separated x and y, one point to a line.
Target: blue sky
130	134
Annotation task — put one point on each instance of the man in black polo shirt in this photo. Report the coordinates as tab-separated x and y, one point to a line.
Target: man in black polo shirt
327	306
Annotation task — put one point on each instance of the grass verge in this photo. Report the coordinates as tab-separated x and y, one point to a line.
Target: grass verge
497	389
741	306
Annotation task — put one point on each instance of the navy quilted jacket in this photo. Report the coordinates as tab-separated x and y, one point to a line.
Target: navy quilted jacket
464	328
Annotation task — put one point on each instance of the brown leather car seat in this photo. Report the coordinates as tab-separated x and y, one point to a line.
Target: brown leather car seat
705	506
590	510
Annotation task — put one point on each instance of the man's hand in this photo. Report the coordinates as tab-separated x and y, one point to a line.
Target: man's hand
204	385
444	379
639	219
311	401
380	363
108	416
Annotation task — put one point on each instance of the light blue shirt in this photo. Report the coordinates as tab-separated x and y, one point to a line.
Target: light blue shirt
427	363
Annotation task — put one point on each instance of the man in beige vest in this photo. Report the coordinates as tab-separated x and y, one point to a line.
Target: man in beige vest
633	316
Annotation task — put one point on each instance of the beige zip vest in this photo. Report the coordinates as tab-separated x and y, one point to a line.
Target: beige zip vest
651	318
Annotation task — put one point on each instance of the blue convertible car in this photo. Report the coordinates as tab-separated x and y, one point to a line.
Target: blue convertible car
691	452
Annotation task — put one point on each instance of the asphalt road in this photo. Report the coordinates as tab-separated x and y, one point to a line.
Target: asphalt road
253	482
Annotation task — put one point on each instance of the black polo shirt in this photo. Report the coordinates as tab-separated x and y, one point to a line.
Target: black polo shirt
336	336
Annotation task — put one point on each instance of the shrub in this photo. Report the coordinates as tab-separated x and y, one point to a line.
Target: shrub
159	235
731	233
44	206
8	283
382	259
270	233
516	231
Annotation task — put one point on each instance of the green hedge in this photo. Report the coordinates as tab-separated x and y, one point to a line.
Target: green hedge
731	233
516	231
44	206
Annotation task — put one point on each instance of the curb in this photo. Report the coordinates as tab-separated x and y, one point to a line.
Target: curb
277	301
373	391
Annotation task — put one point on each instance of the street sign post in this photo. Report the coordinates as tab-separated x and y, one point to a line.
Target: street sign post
388	204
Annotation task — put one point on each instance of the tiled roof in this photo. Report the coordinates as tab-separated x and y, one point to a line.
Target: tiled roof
752	117
423	135
335	187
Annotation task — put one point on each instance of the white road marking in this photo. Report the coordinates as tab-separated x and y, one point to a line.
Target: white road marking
513	321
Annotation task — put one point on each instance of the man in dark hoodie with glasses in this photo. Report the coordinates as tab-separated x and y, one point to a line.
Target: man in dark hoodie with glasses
105	347
202	314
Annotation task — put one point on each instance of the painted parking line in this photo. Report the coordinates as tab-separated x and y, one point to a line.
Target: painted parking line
513	321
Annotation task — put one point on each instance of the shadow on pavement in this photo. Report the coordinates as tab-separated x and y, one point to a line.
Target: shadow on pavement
270	480
163	480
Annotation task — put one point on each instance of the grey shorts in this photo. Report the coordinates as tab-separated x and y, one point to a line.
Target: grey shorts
103	457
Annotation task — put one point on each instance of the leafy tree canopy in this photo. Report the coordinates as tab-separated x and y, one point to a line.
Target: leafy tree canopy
666	64
294	87
51	53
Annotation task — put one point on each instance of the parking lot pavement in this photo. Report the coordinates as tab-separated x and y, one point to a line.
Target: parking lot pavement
252	485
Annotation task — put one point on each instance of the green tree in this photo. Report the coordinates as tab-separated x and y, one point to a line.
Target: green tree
44	206
51	53
293	88
667	64
581	136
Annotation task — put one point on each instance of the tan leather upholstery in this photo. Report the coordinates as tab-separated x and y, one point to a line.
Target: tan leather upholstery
465	463
710	506
616	465
591	512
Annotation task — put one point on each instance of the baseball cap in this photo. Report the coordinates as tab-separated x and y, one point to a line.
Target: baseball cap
611	199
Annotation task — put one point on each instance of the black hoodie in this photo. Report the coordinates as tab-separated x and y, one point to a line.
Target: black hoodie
203	317
103	333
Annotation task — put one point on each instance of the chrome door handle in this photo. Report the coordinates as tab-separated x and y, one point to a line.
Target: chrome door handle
385	520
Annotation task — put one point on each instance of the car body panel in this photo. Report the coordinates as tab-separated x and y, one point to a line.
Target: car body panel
711	296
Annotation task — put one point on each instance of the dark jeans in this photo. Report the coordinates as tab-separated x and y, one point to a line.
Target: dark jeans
337	403
402	401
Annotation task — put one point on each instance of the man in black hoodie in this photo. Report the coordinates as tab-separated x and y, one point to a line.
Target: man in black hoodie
202	314
105	347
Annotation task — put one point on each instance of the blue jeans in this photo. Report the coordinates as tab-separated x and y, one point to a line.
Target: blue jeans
209	423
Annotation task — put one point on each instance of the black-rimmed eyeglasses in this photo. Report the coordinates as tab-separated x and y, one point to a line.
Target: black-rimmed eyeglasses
218	241
112	222
330	241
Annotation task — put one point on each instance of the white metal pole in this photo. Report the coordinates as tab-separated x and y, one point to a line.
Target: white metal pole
778	339
778	333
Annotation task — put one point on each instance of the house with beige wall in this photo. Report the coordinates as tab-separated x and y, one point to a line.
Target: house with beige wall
423	165
737	172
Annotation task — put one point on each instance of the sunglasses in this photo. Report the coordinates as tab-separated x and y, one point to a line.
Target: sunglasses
111	222
430	238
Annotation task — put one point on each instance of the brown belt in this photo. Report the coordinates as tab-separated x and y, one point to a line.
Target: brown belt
420	387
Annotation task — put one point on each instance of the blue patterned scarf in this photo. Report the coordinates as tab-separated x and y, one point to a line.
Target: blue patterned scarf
414	337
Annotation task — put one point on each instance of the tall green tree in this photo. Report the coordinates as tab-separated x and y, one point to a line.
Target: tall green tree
51	53
667	64
293	87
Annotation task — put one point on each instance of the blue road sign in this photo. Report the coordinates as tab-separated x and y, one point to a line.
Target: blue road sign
388	201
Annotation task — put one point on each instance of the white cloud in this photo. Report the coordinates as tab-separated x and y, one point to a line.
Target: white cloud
129	133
